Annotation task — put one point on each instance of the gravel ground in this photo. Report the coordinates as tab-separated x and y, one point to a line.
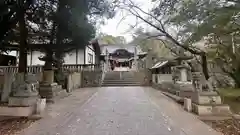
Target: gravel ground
227	127
11	126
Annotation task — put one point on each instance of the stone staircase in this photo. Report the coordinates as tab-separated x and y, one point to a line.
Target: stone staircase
120	78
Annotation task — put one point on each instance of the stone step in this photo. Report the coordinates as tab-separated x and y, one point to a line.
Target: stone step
116	81
108	84
120	81
17	111
127	79
119	78
121	84
131	77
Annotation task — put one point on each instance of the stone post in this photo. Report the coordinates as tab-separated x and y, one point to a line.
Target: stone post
107	61
135	59
183	72
188	104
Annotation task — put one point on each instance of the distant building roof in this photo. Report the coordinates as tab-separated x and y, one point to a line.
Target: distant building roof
112	48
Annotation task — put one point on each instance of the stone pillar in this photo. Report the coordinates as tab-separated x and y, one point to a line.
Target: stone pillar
188	104
107	61
135	59
183	72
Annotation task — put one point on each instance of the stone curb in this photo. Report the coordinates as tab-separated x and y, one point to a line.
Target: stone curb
174	97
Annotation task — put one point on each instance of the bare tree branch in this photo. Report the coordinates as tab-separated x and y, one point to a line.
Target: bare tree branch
135	13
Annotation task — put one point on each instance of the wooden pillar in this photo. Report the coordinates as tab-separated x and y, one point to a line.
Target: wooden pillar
84	58
22	67
31	58
76	56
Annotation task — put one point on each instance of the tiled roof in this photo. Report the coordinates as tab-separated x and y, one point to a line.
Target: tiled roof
112	48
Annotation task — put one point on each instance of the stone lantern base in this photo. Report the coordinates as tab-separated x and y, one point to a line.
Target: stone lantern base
209	103
24	90
52	92
24	100
49	89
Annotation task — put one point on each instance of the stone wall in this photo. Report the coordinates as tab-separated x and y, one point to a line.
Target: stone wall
164	78
91	78
74	81
143	76
6	81
77	80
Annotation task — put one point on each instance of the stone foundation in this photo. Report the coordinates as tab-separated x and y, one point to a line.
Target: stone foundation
206	98
22	101
28	109
17	111
52	92
221	110
209	103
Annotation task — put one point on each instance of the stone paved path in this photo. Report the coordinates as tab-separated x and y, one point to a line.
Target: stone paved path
118	111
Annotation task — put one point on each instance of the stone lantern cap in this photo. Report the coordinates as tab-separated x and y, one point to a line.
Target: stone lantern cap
183	66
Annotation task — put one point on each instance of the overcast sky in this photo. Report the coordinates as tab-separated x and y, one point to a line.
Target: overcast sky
116	27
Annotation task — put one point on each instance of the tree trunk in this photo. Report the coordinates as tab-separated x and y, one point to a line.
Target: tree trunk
205	65
22	67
